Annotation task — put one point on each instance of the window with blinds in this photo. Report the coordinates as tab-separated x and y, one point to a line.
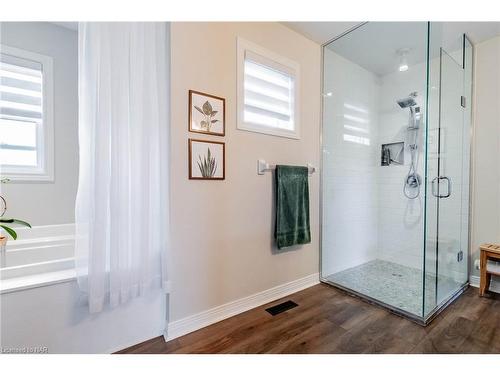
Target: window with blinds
23	128
267	91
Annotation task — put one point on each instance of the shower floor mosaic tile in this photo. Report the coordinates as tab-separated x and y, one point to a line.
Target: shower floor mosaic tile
393	284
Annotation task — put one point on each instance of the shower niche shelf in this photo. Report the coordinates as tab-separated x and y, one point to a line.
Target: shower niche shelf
392	154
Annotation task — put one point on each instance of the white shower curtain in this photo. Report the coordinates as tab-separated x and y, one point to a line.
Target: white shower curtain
122	201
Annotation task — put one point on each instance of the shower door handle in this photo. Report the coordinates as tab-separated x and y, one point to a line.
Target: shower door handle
448	186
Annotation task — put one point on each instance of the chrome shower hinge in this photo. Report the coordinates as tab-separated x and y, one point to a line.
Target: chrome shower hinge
462	101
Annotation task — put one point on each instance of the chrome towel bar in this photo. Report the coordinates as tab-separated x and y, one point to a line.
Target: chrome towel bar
263	166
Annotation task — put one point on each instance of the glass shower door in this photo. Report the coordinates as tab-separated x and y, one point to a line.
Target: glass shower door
374	85
394	189
449	187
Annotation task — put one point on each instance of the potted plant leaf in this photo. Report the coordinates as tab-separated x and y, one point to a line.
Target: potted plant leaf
6	223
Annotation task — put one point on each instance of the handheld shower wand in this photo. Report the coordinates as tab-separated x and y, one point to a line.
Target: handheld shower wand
413	179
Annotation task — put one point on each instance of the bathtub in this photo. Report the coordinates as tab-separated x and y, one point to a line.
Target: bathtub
42	305
40	256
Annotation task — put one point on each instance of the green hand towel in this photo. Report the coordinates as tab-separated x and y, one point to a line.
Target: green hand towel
292	206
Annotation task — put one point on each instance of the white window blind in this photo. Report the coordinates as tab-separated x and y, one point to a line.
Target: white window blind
267	92
20	110
24	130
268	96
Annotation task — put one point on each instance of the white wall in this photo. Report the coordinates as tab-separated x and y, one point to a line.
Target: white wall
53	202
400	219
222	231
486	146
360	195
350	207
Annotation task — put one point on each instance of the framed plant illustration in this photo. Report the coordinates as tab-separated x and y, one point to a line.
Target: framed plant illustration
207	113
207	160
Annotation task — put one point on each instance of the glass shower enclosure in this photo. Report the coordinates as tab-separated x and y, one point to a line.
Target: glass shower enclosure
395	164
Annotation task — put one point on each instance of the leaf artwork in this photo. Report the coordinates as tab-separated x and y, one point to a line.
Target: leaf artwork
208	113
207	108
207	165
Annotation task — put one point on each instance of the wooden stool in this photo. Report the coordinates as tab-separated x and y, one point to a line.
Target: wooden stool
488	251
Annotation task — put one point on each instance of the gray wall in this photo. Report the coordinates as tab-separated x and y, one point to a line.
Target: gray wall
53	202
486	146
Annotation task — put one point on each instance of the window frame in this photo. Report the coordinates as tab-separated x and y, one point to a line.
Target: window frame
44	171
275	62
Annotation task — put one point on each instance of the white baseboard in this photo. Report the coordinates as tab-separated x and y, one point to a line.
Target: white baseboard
494	285
205	318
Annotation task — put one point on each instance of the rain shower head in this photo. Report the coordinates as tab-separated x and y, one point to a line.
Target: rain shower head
409	101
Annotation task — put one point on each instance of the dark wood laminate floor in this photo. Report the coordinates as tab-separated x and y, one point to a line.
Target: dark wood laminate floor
329	321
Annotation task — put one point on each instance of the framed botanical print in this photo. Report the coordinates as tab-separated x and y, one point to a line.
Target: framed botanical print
207	113
207	160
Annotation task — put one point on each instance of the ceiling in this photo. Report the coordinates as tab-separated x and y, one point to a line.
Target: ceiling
374	46
381	40
321	32
67	25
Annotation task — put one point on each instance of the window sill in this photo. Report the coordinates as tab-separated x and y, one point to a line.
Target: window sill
268	130
23	178
35	281
43	256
